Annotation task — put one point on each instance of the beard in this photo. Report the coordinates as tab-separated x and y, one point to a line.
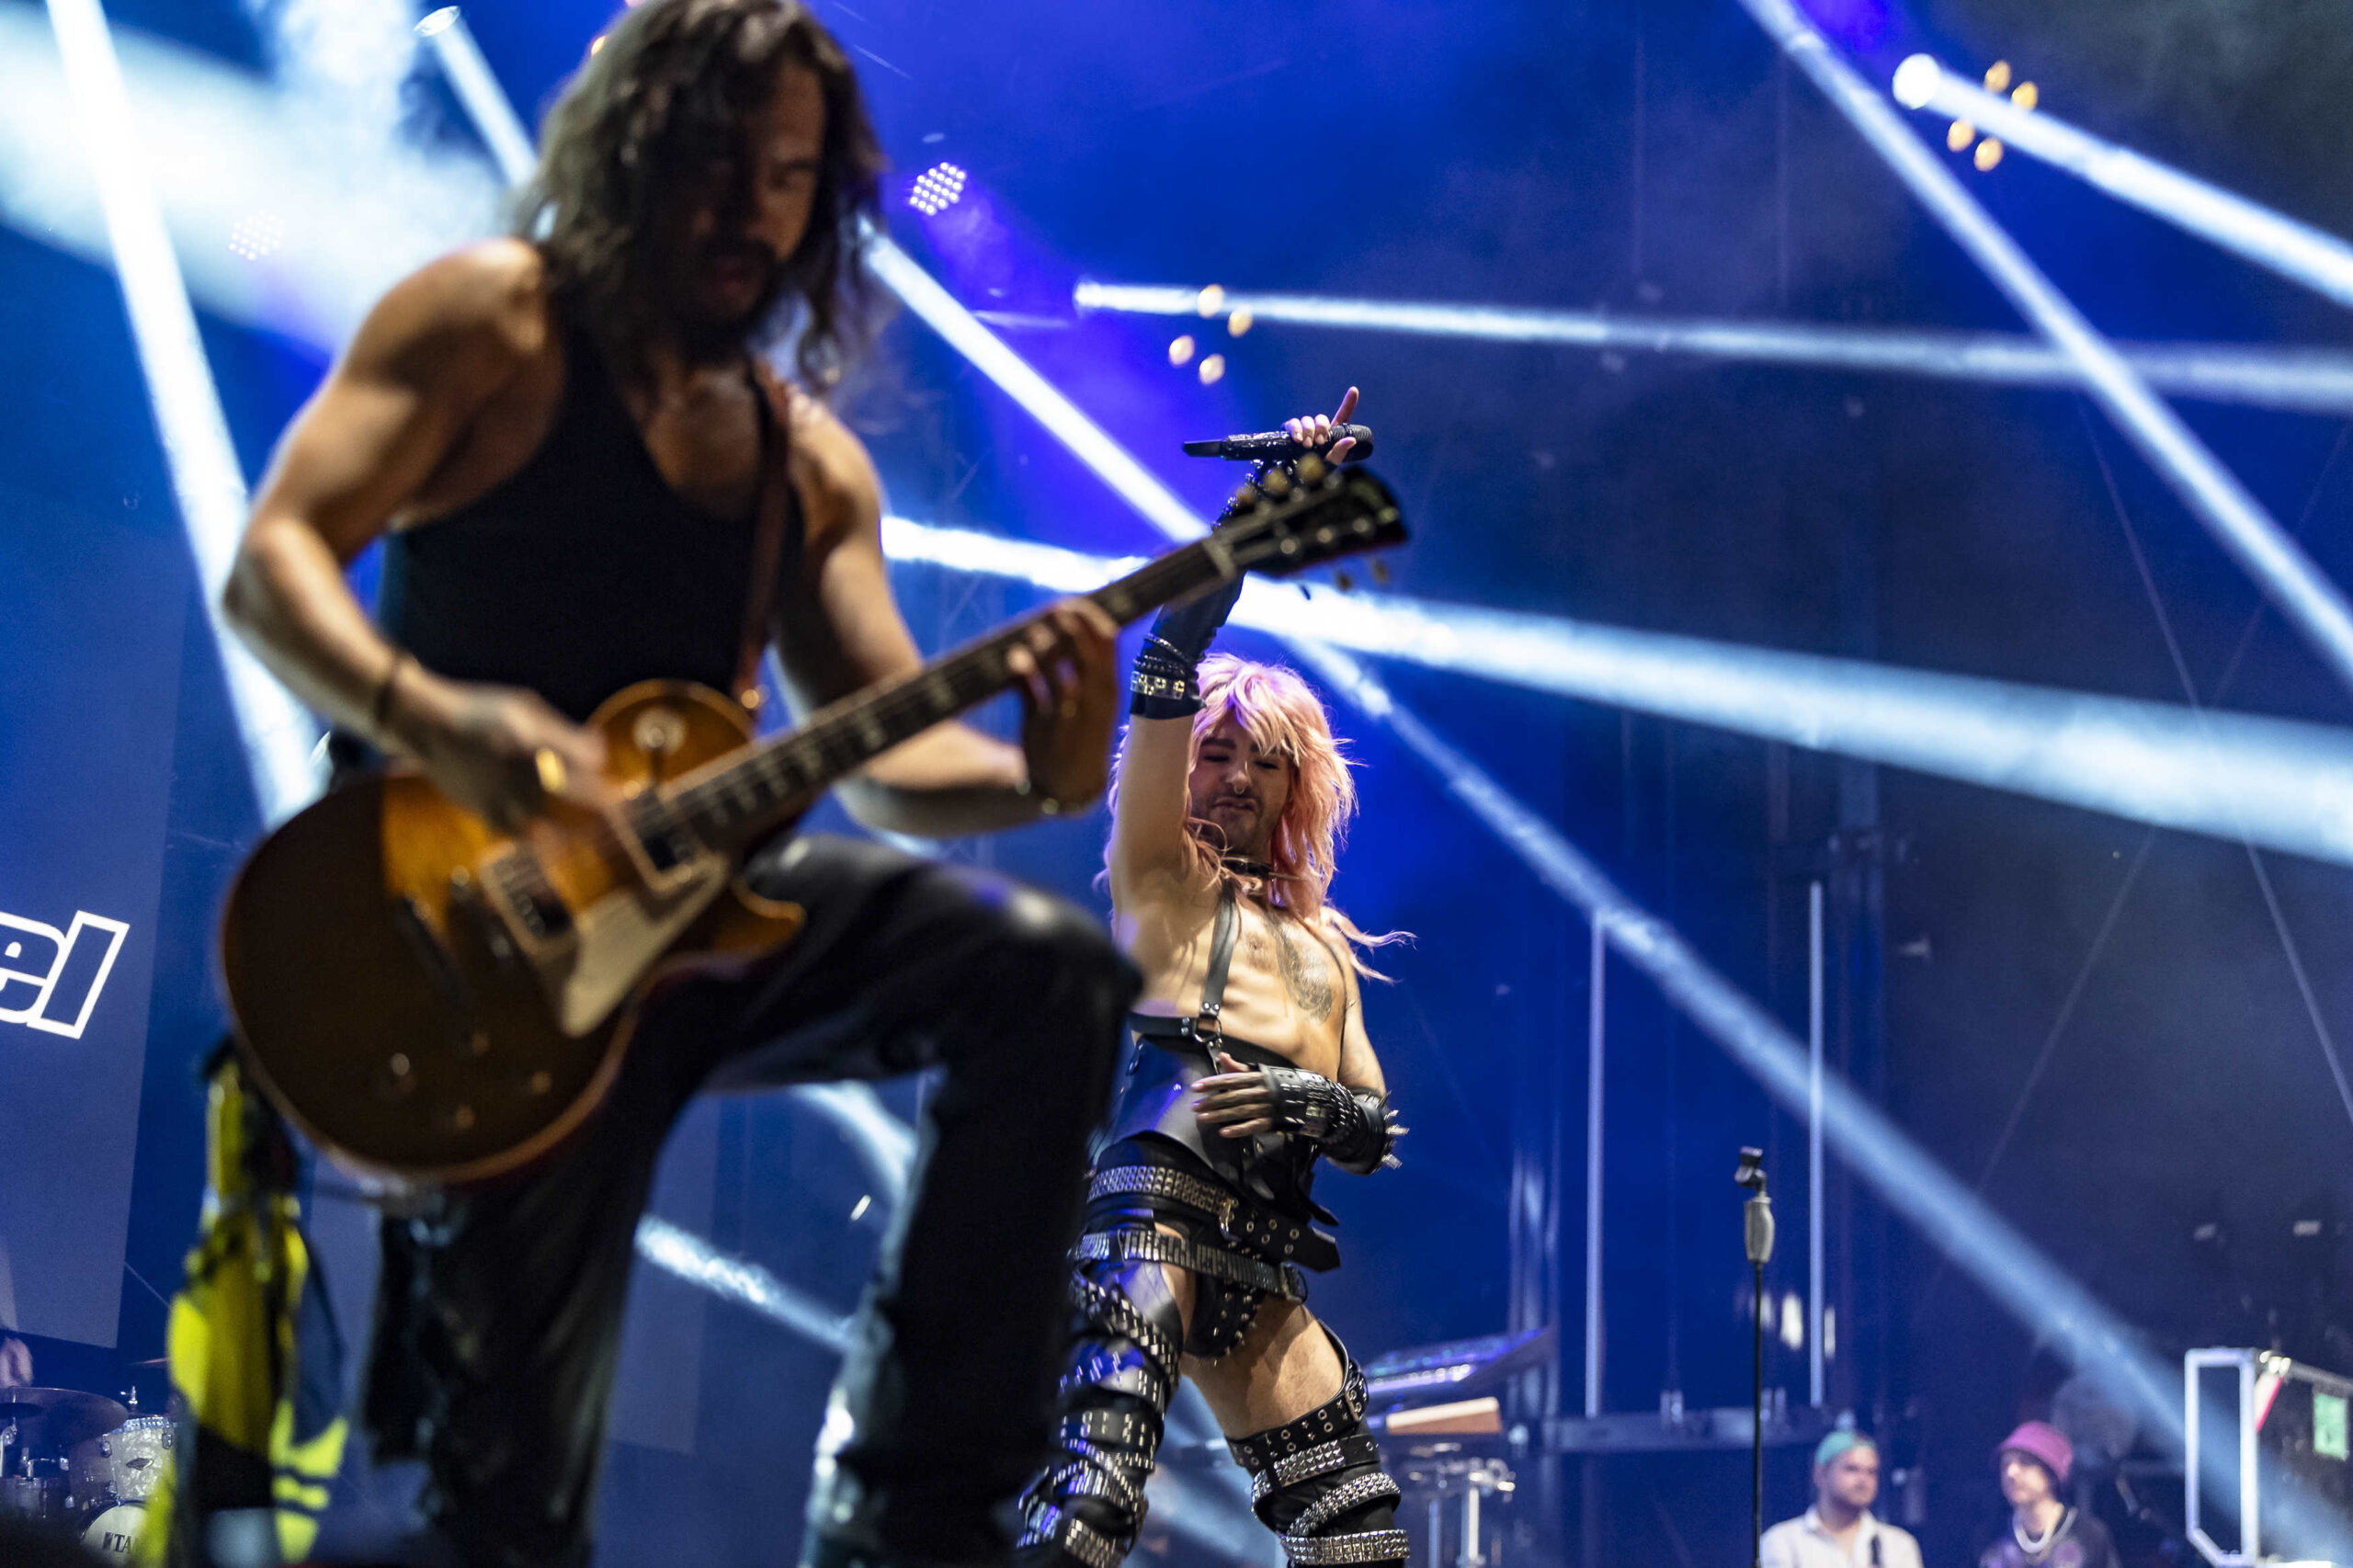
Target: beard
710	332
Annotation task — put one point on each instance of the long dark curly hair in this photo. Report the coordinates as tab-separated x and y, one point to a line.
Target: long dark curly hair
664	98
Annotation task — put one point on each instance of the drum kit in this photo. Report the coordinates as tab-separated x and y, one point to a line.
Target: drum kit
81	1464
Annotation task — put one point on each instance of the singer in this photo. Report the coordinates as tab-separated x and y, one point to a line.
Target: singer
1839	1531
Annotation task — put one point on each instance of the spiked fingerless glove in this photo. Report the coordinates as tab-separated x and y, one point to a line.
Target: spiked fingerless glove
1354	1127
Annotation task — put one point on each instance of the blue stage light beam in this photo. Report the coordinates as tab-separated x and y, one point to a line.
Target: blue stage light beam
2283	784
2311	602
681	1251
280	737
478	93
1063	419
2318	260
2303	380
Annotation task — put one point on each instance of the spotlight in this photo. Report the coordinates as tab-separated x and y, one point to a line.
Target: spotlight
1213	370
1239	322
1989	152
937	189
1180	351
1210	300
256	236
2318	260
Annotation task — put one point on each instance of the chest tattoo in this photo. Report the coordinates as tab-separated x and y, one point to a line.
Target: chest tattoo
1305	975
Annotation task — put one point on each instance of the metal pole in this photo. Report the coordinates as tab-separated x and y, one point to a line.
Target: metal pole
1813	1196
1596	1015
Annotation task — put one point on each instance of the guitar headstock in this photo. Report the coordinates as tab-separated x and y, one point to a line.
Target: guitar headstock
1320	514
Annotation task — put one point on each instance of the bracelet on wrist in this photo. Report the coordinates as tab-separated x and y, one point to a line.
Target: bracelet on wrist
380	711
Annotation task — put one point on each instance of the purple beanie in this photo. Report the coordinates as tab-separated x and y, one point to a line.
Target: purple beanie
2044	1444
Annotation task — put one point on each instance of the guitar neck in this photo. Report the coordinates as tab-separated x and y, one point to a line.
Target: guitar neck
732	802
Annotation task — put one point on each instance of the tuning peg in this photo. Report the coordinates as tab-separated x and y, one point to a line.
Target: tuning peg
1343	581
1380	570
1249	498
1275	482
1312	468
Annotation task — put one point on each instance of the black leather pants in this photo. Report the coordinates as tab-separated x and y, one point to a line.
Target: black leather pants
498	1320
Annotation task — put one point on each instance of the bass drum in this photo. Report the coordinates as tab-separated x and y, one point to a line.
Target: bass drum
111	1533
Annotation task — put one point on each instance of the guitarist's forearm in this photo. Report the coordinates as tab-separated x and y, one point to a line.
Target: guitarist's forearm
949	782
287	598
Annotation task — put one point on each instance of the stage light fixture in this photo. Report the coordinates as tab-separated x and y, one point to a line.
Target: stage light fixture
2321	261
2310	381
256	236
1180	351
1213	370
937	189
2307	599
207	481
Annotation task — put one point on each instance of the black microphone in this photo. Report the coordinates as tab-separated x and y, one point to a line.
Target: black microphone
1277	446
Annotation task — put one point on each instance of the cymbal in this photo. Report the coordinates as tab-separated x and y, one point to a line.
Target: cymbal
58	1418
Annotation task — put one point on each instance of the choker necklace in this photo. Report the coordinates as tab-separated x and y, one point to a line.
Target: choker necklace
1245	867
2037	1547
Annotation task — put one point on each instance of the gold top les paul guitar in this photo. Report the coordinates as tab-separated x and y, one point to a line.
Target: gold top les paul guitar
433	1003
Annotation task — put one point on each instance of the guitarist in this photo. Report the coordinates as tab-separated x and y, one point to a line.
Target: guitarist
580	468
1250	1063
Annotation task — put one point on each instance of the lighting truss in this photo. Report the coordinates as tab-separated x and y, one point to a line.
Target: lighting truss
2308	601
2294	250
2306	381
209	487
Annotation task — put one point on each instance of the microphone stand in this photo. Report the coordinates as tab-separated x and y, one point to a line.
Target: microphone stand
1756	1234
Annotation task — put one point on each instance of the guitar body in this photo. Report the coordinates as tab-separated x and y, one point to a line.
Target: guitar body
400	1004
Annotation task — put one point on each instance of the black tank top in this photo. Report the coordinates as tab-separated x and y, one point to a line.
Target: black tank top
583	571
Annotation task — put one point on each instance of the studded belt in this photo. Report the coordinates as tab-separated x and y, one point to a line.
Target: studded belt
1123	1246
1330	1550
1238	1219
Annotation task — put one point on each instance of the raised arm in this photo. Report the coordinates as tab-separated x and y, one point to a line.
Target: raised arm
1148	833
400	403
839	630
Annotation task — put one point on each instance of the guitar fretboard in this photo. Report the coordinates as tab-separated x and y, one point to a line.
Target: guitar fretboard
732	801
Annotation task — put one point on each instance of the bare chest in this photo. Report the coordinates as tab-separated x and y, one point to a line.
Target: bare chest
1284	988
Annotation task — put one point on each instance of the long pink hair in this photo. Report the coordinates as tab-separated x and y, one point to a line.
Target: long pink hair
1281	714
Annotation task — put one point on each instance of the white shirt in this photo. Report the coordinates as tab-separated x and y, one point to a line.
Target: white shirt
1806	1543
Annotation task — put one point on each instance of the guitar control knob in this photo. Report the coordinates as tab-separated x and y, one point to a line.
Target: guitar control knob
397	1079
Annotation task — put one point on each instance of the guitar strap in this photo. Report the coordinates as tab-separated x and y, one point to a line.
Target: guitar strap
774	501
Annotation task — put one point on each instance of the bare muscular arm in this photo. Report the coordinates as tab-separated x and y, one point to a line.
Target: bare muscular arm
430	357
1148	835
1360	1069
840	630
